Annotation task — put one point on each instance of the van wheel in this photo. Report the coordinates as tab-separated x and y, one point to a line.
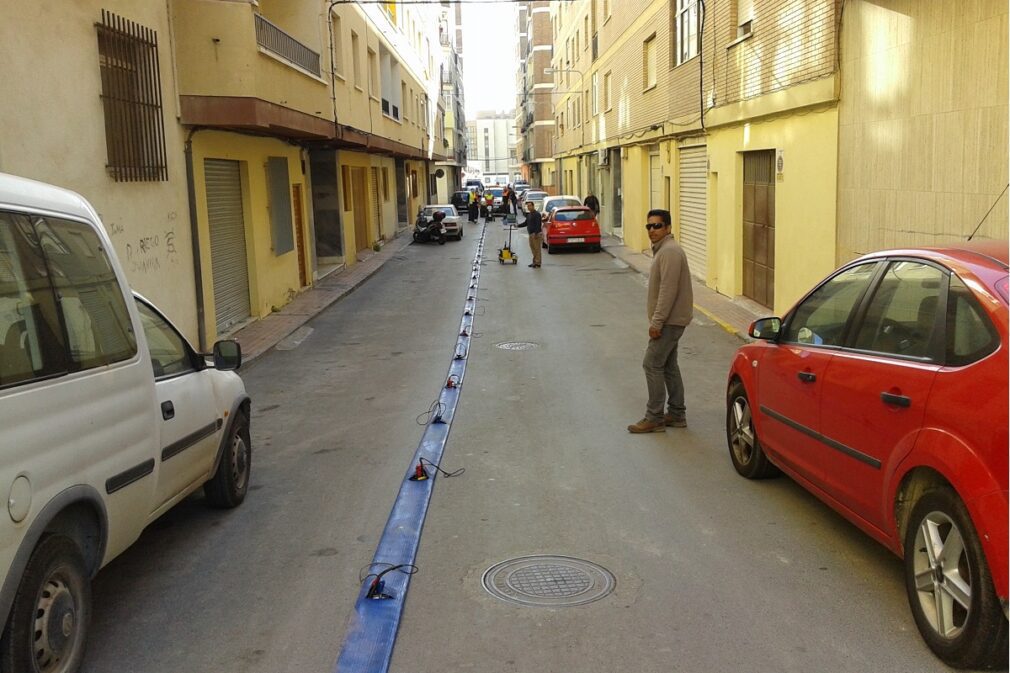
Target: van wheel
228	486
49	617
950	589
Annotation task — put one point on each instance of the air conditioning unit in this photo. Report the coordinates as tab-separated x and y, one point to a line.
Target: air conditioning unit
602	157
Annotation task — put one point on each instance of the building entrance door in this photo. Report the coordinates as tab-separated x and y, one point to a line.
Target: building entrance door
759	226
360	208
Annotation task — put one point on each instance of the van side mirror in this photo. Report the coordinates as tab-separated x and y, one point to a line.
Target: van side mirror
765	328
227	355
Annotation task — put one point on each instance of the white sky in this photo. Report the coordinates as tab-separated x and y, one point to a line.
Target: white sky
489	61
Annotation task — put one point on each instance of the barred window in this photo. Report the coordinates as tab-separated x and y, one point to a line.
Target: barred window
131	97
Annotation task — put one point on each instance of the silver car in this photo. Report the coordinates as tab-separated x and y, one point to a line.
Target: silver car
451	223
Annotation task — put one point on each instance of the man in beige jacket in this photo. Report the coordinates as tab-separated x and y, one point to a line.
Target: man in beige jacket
670	308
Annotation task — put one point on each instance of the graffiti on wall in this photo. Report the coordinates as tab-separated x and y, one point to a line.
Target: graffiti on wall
151	253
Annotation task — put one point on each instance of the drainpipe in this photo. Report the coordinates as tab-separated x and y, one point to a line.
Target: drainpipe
194	232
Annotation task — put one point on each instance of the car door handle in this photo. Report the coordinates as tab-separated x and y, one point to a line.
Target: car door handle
896	400
167	410
806	377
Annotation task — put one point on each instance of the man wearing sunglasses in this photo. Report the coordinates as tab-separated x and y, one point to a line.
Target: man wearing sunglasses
670	308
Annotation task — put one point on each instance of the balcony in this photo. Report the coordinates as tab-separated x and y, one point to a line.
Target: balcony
275	40
237	70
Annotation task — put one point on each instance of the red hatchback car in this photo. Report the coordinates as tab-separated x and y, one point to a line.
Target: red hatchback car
884	393
572	227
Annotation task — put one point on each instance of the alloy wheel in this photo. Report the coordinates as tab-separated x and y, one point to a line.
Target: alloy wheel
942	574
742	431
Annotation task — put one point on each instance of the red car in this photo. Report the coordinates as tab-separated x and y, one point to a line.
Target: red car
884	393
572	227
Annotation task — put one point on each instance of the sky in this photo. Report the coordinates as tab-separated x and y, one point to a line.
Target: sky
489	61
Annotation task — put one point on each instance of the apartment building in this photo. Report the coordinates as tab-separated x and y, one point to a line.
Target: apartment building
491	146
534	94
238	151
449	173
783	139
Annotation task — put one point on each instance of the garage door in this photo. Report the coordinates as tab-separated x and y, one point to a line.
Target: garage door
229	269
693	205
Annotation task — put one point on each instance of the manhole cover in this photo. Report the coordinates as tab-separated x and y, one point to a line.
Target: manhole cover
551	581
516	345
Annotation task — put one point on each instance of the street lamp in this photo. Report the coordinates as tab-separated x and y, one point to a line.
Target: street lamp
582	126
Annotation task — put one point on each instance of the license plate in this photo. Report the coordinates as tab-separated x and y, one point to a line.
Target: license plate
577	240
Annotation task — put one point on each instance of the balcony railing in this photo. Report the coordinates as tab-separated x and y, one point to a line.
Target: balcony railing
275	40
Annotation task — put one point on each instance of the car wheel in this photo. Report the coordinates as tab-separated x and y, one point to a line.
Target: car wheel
950	589
745	450
49	617
417	237
229	485
441	239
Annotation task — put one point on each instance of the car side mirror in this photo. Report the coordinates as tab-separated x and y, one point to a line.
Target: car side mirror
765	328
227	355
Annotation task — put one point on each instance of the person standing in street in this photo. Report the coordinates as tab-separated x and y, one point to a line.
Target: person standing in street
670	309
535	228
592	203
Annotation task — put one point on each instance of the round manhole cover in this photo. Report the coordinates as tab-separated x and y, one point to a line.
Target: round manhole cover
552	581
516	345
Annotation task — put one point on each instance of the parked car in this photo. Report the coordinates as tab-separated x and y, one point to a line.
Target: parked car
473	183
536	197
451	223
572	227
109	418
884	393
497	193
552	203
460	200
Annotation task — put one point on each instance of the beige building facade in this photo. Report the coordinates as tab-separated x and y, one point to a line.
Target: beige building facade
535	95
237	151
783	139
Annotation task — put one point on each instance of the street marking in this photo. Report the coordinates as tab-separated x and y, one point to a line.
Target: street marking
295	339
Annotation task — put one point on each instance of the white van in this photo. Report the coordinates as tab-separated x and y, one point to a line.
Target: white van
108	418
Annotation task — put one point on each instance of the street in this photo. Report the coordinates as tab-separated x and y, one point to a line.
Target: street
713	573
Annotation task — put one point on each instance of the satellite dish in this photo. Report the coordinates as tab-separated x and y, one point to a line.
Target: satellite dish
440	173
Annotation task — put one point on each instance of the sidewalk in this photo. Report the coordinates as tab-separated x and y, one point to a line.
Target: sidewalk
733	315
260	336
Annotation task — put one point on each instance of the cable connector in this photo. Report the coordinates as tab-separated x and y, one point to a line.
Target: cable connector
420	474
376	588
453	382
424	461
464	333
468	312
460	353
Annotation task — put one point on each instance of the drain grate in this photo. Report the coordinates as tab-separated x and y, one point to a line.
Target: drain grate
549	581
516	345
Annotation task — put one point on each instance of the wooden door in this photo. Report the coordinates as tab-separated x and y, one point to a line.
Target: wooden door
759	226
360	205
303	262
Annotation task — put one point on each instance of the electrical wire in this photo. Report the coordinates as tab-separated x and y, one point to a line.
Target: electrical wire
456	473
434	411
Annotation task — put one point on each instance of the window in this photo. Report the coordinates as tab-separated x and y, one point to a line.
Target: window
356	56
649	62
575	54
278	185
744	12
685	31
97	322
32	345
338	47
606	9
131	99
385	183
585	31
608	100
373	74
902	314
170	356
596	93
970	334
823	316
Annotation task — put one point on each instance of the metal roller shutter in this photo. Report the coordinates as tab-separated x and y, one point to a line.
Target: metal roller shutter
229	267
693	205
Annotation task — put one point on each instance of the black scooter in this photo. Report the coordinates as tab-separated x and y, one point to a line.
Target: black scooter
426	231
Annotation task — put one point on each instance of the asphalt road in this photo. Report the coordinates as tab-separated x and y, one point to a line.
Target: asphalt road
713	573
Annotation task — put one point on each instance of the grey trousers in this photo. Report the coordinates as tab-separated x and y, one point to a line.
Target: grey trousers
662	375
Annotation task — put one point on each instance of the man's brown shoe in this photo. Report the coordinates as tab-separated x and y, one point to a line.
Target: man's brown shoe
645	425
674	422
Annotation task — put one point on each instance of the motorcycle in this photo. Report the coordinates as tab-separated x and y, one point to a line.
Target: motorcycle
426	231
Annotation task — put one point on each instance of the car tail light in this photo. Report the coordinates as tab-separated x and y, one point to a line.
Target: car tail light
1003	287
